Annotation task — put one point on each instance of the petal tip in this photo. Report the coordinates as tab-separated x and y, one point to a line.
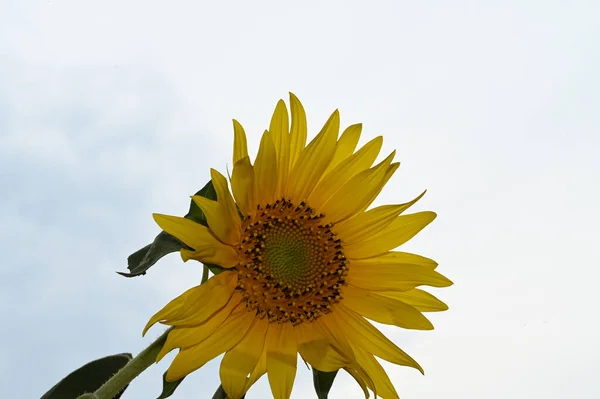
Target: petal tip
294	99
170	376
159	217
148	326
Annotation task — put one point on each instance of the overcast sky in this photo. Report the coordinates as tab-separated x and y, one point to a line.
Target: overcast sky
111	110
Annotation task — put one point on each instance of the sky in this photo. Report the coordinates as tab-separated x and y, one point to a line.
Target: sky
112	110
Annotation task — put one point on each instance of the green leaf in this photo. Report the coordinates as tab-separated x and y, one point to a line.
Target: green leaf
141	260
323	381
89	378
164	243
168	387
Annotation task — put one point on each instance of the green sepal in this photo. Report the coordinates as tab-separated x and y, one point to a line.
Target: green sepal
164	243
89	378
323	380
220	394
169	387
214	269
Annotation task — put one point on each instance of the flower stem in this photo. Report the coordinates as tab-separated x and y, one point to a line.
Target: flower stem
131	370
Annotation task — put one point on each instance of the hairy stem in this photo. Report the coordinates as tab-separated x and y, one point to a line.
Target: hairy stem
131	370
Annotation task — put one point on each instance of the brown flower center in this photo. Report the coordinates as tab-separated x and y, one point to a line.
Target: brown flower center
293	267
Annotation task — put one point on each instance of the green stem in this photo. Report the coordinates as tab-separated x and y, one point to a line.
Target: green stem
131	370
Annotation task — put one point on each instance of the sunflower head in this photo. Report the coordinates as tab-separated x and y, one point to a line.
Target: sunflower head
305	262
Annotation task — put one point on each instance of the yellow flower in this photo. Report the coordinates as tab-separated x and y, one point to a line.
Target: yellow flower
305	265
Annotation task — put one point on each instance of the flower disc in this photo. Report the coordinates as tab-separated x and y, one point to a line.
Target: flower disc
293	265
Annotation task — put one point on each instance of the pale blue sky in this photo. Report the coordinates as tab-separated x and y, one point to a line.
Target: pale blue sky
111	110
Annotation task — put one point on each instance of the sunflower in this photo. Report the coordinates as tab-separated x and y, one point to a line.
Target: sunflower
305	264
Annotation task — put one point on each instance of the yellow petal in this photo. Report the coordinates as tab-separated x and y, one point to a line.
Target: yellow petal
265	171
345	145
189	232
402	229
421	300
316	349
185	337
356	194
282	355
366	224
199	312
336	335
197	304
313	161
361	376
240	146
279	130
363	334
394	277
242	186
388	174
395	258
359	380
226	259
348	168
297	130
259	370
222	340
242	359
207	247
225	199
383	309
383	386
221	215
